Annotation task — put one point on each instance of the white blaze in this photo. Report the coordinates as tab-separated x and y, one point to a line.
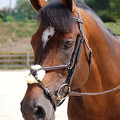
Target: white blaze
47	34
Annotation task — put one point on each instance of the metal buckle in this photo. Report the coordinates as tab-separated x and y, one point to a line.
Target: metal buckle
58	97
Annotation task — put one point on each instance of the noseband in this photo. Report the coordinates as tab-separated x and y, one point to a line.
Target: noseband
71	70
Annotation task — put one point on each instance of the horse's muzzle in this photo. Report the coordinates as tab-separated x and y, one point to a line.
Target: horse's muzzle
37	113
38	107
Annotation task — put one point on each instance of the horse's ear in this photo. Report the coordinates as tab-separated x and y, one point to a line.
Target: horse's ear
70	4
37	4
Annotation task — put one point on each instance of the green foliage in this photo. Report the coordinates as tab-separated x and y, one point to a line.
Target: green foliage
24	11
98	4
10	19
105	16
19	30
3	14
103	6
115	7
115	27
1	20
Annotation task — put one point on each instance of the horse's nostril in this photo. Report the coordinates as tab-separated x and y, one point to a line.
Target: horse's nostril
40	113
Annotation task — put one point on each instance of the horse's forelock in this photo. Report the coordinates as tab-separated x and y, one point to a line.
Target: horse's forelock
55	14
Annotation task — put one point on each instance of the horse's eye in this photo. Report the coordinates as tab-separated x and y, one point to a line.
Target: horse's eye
68	44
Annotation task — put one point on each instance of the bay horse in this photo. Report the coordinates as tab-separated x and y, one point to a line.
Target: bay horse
63	48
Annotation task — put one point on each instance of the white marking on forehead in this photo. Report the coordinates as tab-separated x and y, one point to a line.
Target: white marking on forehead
47	34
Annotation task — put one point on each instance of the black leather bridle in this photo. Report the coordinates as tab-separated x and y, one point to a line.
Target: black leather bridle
71	67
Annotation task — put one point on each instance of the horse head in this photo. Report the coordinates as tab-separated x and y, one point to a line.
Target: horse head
54	44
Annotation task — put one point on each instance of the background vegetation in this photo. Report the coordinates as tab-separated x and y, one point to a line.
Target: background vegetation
108	10
20	23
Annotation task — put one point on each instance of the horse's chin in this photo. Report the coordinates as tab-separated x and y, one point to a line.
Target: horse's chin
52	117
49	116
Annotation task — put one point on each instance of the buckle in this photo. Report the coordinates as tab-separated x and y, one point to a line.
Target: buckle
58	96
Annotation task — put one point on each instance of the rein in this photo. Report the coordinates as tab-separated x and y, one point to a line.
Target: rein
72	93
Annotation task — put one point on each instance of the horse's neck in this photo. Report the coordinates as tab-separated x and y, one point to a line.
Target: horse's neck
105	64
106	60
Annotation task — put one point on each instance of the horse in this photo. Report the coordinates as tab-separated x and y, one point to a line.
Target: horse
75	52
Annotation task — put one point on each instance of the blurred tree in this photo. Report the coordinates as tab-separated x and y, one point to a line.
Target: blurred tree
3	14
98	4
106	9
115	7
24	10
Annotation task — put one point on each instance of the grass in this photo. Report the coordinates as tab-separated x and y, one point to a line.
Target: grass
2	39
115	27
17	30
21	30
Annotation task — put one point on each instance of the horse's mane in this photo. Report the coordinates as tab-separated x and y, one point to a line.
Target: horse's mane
62	19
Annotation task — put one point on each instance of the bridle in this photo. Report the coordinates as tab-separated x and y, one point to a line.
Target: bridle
71	70
71	66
